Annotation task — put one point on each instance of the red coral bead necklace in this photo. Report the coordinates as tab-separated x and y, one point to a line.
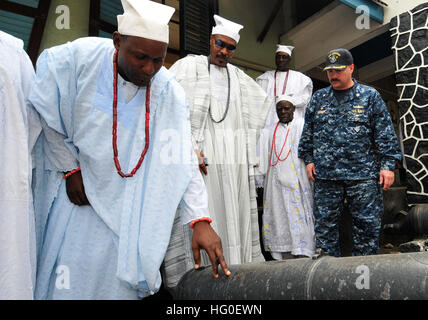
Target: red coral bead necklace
285	83
146	147
273	147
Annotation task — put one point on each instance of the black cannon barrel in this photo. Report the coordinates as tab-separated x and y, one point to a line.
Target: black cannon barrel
414	223
377	277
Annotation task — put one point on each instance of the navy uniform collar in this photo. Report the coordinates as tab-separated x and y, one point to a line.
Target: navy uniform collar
352	94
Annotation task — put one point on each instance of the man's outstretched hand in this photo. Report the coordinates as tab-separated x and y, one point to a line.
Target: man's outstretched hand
76	190
204	237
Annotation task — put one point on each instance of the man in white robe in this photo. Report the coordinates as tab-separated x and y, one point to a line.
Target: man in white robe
288	224
20	127
284	81
227	111
103	227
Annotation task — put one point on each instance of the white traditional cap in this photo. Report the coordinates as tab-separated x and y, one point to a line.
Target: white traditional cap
145	19
226	28
286	49
286	97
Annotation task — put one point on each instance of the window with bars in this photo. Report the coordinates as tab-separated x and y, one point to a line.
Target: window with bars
25	19
189	27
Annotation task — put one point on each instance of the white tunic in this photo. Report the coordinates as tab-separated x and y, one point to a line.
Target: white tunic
288	223
230	148
113	248
19	128
195	200
298	85
225	148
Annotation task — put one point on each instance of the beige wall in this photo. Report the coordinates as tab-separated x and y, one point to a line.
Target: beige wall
317	35
79	23
254	57
396	7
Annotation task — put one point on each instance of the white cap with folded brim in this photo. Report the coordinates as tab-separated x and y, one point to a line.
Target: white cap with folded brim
145	19
286	97
286	49
226	28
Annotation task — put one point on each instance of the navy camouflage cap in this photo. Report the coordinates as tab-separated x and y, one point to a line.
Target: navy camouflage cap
338	59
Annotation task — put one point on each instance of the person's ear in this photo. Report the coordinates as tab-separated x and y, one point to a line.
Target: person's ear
117	38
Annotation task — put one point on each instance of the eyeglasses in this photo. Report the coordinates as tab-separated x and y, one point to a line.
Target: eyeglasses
221	44
283	57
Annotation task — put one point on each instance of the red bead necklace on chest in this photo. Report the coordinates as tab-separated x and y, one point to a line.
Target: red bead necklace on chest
273	148
285	83
146	147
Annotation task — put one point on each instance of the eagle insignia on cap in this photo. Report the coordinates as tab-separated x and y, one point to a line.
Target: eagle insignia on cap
333	57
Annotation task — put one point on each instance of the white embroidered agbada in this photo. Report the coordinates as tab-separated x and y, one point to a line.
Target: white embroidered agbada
230	149
288	223
298	85
113	248
19	128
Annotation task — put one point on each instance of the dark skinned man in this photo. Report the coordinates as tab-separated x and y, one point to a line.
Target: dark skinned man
284	81
227	109
115	103
288	224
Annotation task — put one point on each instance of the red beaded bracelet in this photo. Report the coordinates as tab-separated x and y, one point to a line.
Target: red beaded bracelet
192	224
70	173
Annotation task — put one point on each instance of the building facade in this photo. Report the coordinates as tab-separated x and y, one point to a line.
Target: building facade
388	39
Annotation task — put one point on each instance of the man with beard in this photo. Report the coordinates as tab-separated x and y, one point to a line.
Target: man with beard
105	212
284	81
350	148
227	110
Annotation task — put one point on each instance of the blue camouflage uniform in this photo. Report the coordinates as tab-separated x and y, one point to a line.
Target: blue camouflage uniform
349	142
